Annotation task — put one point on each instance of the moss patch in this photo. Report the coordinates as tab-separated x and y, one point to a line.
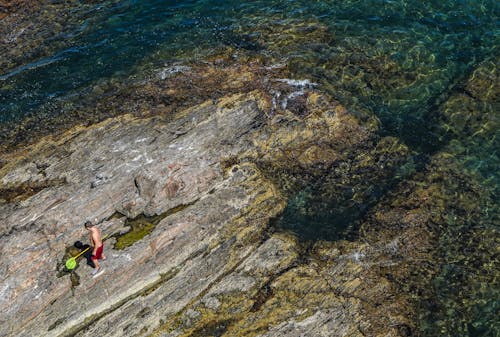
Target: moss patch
143	225
139	228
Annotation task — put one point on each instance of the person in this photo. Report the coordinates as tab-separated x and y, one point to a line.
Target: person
97	247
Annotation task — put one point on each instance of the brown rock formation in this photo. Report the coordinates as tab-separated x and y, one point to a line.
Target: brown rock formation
210	249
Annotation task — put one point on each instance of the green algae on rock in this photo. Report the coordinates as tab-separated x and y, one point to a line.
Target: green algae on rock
141	226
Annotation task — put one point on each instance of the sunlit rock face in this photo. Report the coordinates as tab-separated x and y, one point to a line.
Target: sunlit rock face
212	259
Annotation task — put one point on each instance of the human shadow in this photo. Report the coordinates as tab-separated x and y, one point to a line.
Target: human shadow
87	255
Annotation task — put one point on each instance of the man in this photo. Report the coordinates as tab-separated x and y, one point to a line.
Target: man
97	247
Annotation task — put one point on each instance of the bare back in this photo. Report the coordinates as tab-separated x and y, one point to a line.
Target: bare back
95	237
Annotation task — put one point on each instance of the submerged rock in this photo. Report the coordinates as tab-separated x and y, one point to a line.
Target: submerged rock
437	232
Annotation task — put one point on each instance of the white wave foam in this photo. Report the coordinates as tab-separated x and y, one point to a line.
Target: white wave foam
169	71
298	83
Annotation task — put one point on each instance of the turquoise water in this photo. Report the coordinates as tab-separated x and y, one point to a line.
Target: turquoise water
400	60
113	38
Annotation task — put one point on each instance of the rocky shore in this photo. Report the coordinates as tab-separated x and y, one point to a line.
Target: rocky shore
210	182
192	171
213	262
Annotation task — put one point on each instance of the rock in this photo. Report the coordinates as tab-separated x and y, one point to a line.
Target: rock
211	303
207	258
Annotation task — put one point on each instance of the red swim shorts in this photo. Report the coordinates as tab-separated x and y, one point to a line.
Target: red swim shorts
98	253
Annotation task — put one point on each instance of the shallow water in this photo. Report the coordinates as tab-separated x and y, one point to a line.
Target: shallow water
400	60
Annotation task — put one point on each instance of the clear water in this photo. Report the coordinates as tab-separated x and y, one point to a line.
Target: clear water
442	39
399	59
